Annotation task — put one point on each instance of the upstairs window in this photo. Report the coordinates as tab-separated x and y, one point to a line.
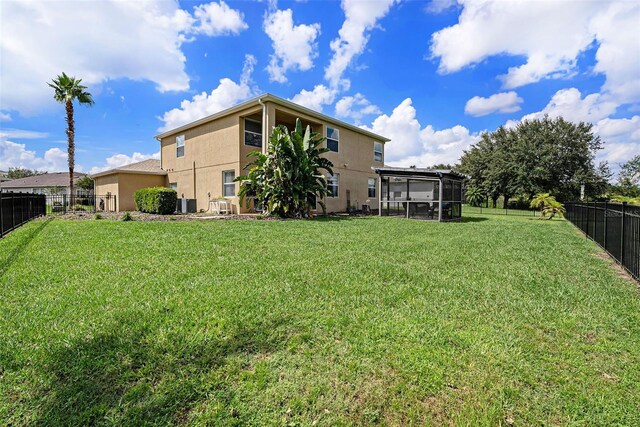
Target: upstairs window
252	133
377	151
180	146
333	183
228	185
333	139
372	187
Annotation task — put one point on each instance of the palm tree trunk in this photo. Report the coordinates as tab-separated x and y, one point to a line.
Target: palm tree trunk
71	149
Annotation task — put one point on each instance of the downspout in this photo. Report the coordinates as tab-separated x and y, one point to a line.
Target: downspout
264	126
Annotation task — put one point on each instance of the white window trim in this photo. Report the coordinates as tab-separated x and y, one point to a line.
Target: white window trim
381	151
178	146
335	176
326	135
224	184
255	133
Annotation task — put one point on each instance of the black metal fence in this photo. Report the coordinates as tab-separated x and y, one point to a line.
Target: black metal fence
615	227
468	209
18	208
62	203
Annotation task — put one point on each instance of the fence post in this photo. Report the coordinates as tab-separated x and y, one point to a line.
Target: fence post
604	242
624	213
13	209
64	203
595	221
586	228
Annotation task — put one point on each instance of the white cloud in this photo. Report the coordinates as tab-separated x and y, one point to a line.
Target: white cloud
138	40
356	107
618	56
17	155
412	144
439	6
625	129
361	16
118	160
316	98
216	19
5	117
294	46
621	139
504	102
22	134
227	94
551	36
569	104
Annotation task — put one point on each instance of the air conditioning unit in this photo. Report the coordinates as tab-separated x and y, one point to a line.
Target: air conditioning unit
186	206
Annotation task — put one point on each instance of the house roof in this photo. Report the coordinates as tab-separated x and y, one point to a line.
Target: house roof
435	173
145	167
55	179
267	97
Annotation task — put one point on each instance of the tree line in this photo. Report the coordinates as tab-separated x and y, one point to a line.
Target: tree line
545	155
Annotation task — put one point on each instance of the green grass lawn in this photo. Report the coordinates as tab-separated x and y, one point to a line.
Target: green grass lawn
492	321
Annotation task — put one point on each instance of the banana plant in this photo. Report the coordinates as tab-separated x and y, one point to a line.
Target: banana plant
290	176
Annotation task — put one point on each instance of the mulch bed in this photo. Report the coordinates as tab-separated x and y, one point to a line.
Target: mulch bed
145	217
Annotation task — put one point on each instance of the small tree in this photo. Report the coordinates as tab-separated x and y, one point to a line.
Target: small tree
474	196
86	183
288	179
548	205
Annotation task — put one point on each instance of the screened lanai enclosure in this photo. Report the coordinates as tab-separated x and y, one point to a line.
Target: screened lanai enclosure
420	193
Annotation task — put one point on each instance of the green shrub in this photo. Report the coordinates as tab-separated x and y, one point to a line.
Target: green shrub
97	216
519	202
156	200
127	217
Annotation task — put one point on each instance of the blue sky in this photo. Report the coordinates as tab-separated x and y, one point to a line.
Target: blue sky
429	75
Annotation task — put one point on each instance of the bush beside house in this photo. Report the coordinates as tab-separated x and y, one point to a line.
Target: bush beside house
156	200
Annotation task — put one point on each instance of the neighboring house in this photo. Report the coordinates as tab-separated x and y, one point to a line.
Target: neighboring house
122	182
203	158
48	183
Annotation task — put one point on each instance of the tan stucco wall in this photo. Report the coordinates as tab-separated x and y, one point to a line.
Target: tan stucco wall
210	149
217	146
105	185
128	183
124	185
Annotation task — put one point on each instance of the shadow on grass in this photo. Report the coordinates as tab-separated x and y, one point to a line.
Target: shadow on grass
134	375
345	217
25	239
474	219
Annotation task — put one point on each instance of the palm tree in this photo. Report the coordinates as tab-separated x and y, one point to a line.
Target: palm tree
548	205
66	90
474	196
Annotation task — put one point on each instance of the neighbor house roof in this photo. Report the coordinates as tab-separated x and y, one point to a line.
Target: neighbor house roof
435	173
267	97
145	167
55	179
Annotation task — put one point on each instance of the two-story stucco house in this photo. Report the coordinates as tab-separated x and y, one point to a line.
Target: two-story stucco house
203	158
